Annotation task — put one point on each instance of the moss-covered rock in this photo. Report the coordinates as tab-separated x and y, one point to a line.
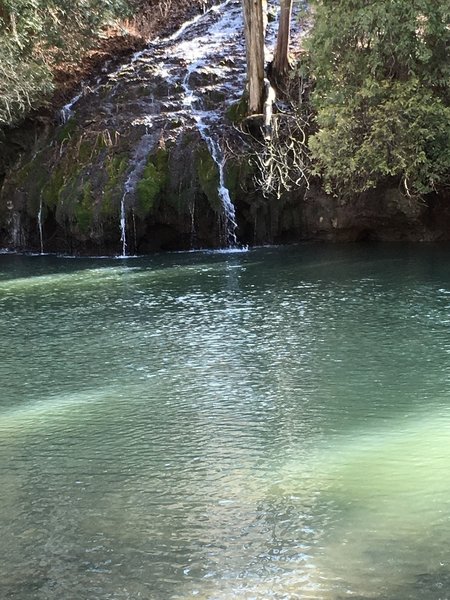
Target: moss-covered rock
238	176
237	112
65	132
115	167
153	183
208	177
83	212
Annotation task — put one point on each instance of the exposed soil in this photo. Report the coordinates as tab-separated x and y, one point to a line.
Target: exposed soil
152	18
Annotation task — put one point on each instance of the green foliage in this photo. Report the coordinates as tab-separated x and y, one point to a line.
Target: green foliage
36	34
382	91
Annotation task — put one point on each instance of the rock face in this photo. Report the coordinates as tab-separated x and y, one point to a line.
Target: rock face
379	215
139	163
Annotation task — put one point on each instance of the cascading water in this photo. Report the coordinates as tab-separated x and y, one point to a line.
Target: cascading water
40	227
176	86
140	157
222	190
210	42
123	224
205	59
67	110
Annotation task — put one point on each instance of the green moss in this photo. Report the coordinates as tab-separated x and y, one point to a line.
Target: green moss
64	188
66	131
83	210
52	189
154	181
86	150
31	177
208	177
115	167
237	174
237	112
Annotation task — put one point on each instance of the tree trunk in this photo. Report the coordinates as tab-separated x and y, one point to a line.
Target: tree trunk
281	63
254	39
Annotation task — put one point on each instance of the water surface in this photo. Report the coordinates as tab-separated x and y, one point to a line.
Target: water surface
270	424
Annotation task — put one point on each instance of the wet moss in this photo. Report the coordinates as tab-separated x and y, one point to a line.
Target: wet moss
236	176
153	183
31	177
115	167
237	112
86	150
53	187
65	132
208	177
64	188
83	210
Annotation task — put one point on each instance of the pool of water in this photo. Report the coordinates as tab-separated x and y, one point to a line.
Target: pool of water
268	424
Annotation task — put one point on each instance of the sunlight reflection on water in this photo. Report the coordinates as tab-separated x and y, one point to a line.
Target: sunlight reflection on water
269	424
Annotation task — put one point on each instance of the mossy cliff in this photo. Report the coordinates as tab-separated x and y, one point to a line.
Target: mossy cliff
66	196
72	185
136	165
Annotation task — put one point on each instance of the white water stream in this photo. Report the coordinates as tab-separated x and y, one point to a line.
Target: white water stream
192	77
67	110
205	61
40	227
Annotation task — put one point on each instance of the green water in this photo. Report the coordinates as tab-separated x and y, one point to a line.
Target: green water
269	424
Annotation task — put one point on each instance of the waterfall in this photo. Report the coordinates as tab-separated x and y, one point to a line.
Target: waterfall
66	112
123	224
183	82
143	149
223	192
221	36
40	229
200	48
216	154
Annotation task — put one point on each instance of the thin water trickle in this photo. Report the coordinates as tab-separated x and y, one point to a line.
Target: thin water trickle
138	163
40	227
67	110
223	191
123	223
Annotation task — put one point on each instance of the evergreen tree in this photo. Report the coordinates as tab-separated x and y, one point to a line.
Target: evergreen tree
34	35
382	92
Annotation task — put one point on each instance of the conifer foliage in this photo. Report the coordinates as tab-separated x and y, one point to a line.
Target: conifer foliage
34	34
381	72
